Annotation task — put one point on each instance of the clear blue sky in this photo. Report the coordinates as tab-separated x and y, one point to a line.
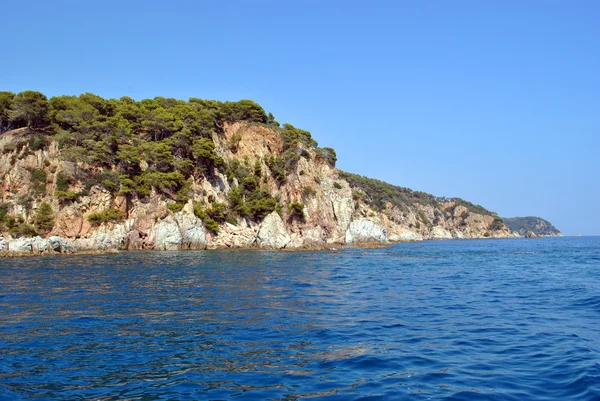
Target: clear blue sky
497	102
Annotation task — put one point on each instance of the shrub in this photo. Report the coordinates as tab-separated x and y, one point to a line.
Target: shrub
62	182
44	217
175	207
296	210
67	195
328	154
38	182
23	230
308	191
37	142
108	215
212	225
337	185
234	142
496	224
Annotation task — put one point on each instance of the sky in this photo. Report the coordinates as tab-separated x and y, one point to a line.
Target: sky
496	102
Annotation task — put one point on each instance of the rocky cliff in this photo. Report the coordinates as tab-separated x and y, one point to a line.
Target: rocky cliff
248	184
530	224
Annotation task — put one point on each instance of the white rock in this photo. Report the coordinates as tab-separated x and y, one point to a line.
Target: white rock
438	232
40	245
3	244
194	238
405	236
272	232
167	235
363	230
22	245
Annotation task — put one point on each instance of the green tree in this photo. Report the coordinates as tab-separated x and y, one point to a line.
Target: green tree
30	107
6	101
44	217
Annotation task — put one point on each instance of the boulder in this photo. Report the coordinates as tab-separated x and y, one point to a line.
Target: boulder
272	232
3	244
21	245
193	238
40	245
438	232
167	235
363	230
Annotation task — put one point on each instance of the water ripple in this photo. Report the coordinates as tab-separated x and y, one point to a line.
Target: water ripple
452	320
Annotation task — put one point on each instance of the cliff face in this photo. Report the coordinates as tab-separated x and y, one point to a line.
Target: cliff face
318	206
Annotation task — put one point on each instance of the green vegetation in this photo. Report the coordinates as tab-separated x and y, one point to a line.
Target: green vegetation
308	191
211	216
44	218
378	193
496	224
108	215
38	182
296	210
537	225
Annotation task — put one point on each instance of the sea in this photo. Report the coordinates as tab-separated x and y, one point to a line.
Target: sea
509	319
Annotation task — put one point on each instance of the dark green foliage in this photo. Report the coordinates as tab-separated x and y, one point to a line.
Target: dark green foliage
260	204
257	169
211	216
217	212
537	225
204	150
175	207
110	181
243	110
496	224
167	183
248	200
6	101
38	182
29	108
212	225
234	142
38	142
44	218
67	195
328	154
276	166
472	207
378	192
296	210
337	185
308	191
293	136
108	215
23	230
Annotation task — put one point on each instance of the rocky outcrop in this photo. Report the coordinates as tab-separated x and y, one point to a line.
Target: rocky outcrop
273	233
363	230
333	210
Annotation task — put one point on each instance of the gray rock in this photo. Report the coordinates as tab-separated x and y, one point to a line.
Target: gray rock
363	230
438	232
21	245
3	244
272	232
40	245
167	235
194	238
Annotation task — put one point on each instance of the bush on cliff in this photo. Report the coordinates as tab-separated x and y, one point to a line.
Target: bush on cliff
108	215
44	218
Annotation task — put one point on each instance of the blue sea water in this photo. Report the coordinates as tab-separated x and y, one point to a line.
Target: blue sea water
452	320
